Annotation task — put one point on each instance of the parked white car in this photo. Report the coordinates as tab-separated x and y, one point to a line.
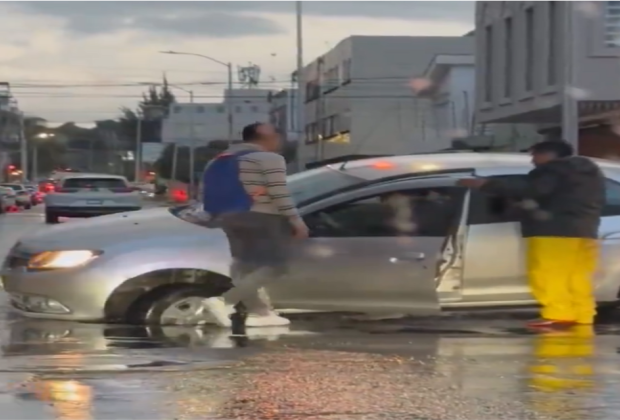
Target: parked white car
22	195
88	195
7	199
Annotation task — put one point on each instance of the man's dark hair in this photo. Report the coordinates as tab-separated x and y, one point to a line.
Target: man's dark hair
250	132
559	148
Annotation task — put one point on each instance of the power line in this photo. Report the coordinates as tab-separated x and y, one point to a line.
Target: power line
27	84
249	97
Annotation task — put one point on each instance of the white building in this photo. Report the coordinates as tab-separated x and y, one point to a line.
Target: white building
532	54
450	83
204	122
358	98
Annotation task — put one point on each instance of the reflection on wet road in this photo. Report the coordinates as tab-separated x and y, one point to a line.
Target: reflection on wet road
323	368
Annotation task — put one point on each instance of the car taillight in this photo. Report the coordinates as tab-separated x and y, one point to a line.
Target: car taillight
122	190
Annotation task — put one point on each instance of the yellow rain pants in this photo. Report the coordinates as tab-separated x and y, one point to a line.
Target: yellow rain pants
560	272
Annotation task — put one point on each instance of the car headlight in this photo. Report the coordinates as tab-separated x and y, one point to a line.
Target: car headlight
61	259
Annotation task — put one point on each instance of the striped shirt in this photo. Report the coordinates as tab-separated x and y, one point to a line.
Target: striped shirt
263	174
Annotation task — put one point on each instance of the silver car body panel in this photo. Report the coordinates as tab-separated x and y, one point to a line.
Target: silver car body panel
478	265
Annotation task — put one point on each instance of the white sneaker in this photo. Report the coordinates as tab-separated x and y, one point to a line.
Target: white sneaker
271	320
219	311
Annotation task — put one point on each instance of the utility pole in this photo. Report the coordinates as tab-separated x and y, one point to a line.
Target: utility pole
138	156
570	104
320	123
192	155
23	147
301	97
175	145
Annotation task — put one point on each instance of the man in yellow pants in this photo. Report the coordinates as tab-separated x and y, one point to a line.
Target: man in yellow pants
562	199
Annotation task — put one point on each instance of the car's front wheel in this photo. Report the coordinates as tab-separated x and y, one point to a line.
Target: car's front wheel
51	218
180	305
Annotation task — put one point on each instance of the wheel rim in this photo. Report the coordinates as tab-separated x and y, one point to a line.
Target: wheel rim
187	311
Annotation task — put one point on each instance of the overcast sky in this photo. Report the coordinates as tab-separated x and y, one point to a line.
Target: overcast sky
64	43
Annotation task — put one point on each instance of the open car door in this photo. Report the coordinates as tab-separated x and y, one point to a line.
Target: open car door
373	250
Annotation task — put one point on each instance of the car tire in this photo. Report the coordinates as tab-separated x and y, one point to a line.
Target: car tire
150	308
27	206
51	218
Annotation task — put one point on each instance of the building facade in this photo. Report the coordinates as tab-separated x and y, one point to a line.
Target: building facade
535	56
451	87
283	114
358	98
200	123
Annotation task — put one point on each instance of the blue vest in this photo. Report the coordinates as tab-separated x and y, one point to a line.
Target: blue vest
223	191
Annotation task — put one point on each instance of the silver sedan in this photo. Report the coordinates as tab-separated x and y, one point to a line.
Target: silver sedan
389	235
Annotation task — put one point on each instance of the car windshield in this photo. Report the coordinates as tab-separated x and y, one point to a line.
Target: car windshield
94	183
316	182
303	186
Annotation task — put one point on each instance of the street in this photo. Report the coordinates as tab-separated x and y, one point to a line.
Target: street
466	366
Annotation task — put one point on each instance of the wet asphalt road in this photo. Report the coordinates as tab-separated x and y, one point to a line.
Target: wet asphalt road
455	367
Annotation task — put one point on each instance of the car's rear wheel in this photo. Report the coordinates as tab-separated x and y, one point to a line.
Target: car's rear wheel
51	218
174	305
27	206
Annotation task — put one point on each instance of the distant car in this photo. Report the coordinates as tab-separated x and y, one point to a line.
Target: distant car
36	197
88	195
7	199
22	195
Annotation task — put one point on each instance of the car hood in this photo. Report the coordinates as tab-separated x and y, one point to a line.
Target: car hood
139	227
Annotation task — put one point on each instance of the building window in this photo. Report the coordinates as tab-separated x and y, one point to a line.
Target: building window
200	109
612	24
508	51
346	70
220	109
488	66
254	108
529	49
552	45
237	109
177	109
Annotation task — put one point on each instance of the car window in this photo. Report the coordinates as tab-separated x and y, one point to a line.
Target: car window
430	212
89	183
14	187
612	199
487	209
306	185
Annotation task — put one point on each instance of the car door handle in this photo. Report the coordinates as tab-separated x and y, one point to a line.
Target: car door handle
414	256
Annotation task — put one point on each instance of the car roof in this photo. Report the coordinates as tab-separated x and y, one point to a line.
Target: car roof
460	160
83	175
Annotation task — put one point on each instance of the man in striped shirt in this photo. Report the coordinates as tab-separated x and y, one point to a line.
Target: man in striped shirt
259	237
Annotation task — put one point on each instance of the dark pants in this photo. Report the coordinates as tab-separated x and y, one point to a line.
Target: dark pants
260	245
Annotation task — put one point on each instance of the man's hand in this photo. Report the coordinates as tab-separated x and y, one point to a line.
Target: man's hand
471	182
300	230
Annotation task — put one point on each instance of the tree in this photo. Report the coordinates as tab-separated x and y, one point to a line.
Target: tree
155	96
203	155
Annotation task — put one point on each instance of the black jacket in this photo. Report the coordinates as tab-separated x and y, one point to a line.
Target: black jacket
562	198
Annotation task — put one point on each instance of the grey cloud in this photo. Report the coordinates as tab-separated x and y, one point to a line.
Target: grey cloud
231	18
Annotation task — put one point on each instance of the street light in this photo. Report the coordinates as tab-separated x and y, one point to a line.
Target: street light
228	66
35	153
